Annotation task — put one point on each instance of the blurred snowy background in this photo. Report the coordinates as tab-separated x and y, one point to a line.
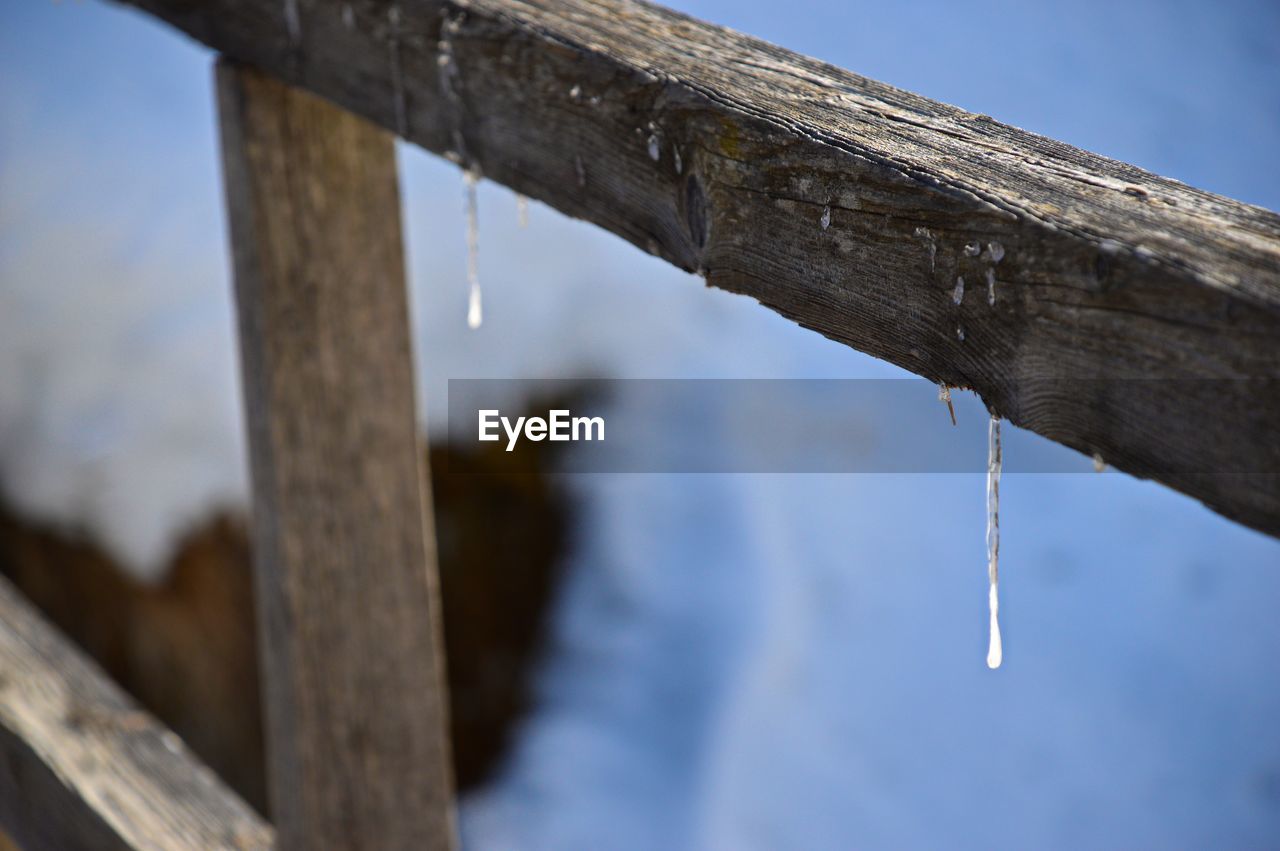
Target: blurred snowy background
740	661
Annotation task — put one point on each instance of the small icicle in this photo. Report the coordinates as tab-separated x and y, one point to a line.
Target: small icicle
293	22
675	156
655	147
996	250
991	286
995	652
957	295
1099	465
522	210
470	177
944	395
825	219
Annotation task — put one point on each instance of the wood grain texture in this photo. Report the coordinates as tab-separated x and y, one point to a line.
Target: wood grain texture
344	554
82	767
1128	315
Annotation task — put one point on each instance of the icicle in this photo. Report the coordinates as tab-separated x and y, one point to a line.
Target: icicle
957	295
944	395
991	286
825	220
575	92
470	177
996	250
1099	465
522	210
655	147
293	23
397	75
995	652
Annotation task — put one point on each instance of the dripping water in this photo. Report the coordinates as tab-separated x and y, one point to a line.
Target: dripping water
995	652
470	177
522	210
944	395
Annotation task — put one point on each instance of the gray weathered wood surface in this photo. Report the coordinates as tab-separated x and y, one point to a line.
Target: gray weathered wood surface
343	546
82	767
844	204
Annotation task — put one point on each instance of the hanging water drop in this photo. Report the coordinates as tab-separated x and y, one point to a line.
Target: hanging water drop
957	295
825	220
575	92
944	395
470	177
995	652
655	149
522	210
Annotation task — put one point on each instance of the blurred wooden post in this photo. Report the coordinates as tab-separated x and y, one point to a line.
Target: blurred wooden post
344	549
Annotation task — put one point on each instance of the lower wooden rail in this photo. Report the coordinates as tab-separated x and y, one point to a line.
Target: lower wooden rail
83	767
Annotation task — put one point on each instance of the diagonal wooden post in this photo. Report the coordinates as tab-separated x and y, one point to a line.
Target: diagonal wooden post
344	550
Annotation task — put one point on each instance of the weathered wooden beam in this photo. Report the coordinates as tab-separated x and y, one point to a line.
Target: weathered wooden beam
845	204
82	767
343	546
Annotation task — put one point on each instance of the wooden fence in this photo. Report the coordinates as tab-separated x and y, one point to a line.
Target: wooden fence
1114	311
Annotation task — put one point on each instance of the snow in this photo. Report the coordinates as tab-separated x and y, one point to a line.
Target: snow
740	661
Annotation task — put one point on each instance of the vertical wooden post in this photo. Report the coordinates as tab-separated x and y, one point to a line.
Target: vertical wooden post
346	577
